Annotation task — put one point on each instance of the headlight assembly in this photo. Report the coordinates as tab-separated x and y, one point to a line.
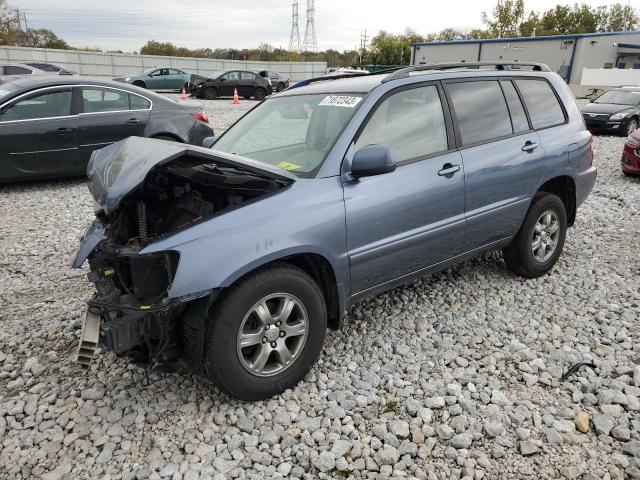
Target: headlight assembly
617	116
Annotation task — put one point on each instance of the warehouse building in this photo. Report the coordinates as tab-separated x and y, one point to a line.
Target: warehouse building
565	54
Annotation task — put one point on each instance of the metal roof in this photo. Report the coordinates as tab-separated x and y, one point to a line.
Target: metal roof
528	39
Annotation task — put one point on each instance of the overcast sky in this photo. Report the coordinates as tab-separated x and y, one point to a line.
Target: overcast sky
127	25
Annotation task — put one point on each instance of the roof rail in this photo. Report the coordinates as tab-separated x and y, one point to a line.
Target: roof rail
405	72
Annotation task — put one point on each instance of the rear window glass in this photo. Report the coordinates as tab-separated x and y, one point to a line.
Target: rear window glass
13	70
481	111
542	103
518	115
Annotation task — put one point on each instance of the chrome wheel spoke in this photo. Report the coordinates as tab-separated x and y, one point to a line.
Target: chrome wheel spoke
553	228
536	243
283	353
261	359
545	236
295	330
248	339
263	313
286	309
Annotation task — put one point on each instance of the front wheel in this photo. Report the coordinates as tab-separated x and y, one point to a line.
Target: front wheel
210	93
539	242
260	94
265	332
632	126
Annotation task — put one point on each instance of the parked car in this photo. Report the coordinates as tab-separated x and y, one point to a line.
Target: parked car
223	83
236	259
160	78
50	124
615	111
278	82
50	68
631	155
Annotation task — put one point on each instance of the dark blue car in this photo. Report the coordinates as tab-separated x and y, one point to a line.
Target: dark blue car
236	259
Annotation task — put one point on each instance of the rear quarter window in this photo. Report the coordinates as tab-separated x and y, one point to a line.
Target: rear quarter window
481	111
542	103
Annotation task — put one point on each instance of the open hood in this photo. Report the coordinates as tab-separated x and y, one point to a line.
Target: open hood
118	169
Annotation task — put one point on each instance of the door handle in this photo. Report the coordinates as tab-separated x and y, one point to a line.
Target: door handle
134	121
448	170
64	130
529	146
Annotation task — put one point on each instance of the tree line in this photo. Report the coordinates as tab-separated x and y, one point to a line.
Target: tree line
508	18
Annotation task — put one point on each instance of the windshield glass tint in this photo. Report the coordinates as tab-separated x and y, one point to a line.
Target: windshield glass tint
619	97
294	133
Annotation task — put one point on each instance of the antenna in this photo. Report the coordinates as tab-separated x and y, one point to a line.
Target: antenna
310	40
294	41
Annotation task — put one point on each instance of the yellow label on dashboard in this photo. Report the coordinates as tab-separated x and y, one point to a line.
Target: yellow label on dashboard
289	166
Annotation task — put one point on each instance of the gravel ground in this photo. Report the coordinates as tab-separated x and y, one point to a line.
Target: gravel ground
454	376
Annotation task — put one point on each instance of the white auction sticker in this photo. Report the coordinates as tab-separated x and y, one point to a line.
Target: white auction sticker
340	101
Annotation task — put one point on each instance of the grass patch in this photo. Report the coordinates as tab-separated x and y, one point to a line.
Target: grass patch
392	406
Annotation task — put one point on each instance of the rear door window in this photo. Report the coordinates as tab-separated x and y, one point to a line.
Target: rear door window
411	122
518	116
542	103
97	100
247	76
231	76
481	111
136	102
43	105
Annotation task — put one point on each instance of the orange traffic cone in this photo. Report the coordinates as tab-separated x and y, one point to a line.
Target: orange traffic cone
183	97
236	100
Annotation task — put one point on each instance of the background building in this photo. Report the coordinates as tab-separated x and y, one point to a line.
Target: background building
565	54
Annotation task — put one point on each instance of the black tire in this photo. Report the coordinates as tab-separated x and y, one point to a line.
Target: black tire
222	361
280	87
210	93
140	83
260	94
519	256
632	126
630	174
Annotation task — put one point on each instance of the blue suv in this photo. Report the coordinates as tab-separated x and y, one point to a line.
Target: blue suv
234	260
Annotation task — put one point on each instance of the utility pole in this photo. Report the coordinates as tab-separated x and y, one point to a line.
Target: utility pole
363	44
294	39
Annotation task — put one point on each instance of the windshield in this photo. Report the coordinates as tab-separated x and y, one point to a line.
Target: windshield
294	133
619	97
6	89
216	74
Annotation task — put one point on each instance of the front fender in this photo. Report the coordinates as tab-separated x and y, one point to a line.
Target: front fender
308	217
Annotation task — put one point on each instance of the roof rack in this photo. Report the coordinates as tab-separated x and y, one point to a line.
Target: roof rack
405	72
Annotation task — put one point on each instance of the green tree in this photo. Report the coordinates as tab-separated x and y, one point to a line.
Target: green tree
449	34
506	18
617	18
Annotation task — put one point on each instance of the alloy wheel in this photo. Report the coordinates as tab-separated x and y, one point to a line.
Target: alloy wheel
272	334
546	233
632	126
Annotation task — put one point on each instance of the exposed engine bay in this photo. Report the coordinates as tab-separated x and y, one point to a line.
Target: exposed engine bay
136	315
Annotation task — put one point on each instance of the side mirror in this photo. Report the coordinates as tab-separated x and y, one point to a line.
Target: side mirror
373	160
209	141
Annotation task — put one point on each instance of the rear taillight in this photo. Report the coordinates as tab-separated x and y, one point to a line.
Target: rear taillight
590	149
200	116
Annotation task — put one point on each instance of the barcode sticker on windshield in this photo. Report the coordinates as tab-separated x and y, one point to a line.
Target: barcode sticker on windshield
340	101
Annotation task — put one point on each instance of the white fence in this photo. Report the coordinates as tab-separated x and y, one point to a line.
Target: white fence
124	64
610	77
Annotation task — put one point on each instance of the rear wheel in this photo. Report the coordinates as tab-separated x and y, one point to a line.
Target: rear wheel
139	83
539	242
265	333
260	94
280	87
210	93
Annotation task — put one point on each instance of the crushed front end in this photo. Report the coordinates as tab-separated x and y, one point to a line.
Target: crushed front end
144	191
